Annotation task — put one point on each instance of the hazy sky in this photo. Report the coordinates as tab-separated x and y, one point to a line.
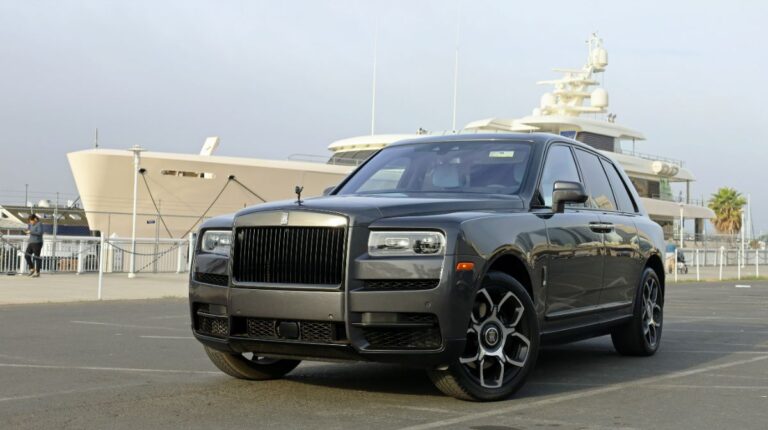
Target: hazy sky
283	77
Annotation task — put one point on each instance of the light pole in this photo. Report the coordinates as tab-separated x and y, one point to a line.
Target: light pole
682	242
136	149
743	238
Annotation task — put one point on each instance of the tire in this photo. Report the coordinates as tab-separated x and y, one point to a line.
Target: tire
641	336
511	352
254	369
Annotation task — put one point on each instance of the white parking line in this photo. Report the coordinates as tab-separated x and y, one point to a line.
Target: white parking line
108	369
166	337
578	395
424	409
128	325
168	317
687	318
714	351
679	330
59	393
708	387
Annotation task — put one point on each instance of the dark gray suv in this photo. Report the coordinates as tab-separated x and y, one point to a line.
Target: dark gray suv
458	254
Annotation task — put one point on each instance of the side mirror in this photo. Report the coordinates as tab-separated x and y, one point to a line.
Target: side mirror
329	190
567	192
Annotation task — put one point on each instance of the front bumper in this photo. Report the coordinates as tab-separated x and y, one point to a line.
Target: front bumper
370	317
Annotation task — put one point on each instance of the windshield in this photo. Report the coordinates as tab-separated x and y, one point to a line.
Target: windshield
446	167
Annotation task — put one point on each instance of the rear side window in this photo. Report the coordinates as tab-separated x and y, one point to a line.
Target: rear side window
558	167
598	188
623	199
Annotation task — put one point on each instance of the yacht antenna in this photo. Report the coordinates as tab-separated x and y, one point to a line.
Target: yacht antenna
96	139
456	68
373	84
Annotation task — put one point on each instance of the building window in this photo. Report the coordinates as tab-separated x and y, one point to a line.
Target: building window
187	174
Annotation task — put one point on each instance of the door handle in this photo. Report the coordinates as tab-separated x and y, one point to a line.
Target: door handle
601	227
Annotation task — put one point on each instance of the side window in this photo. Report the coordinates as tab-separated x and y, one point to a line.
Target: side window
623	199
558	167
598	188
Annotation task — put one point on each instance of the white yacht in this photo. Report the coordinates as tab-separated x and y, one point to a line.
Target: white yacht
177	190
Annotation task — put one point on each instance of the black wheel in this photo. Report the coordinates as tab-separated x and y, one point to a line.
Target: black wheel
642	335
502	344
250	366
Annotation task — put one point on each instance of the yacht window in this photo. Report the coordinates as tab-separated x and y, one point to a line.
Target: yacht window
75	217
598	188
187	174
597	141
351	158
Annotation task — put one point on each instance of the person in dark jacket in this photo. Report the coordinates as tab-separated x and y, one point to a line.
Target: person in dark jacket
34	245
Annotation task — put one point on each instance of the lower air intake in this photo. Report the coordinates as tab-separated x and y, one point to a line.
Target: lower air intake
399	284
309	331
402	338
212	326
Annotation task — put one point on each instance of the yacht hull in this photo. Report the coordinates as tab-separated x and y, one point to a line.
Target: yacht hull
185	188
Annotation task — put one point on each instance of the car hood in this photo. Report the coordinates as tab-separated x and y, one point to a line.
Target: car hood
365	209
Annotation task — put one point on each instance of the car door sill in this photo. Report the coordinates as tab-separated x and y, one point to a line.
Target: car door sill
586	310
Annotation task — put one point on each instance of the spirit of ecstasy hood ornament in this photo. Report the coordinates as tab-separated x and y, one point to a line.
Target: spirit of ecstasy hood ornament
298	191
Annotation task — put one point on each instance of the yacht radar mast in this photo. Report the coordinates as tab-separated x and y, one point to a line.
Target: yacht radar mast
572	89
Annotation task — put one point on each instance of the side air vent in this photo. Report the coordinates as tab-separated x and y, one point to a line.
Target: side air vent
399	284
212	278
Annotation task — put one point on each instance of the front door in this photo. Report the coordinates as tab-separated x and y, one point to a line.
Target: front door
574	275
575	269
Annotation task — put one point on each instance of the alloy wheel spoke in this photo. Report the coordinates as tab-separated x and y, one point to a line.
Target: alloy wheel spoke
516	361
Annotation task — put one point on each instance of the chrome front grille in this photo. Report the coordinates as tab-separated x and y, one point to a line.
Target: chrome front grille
289	255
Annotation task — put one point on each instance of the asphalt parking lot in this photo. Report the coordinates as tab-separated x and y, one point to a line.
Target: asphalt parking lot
134	364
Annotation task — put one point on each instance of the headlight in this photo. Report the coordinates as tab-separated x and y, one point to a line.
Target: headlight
216	242
389	243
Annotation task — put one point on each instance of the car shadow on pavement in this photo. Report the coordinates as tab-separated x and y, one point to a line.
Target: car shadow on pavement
560	369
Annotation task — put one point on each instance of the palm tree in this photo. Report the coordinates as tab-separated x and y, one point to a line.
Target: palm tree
727	203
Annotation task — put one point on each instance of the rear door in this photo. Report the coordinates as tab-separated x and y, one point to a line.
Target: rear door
624	261
575	268
616	225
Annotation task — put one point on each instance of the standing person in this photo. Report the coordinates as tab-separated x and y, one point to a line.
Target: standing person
34	245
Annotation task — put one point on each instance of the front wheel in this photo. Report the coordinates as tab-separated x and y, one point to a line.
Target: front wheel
502	343
642	334
250	366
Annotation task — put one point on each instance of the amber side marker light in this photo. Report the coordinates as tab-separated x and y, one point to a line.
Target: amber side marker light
465	266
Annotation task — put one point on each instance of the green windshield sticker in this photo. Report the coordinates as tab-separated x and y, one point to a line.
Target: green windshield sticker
501	154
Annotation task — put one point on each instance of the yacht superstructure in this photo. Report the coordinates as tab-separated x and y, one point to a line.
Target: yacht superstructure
177	190
573	108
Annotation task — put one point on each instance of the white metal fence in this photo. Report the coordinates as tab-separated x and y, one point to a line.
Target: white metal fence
73	254
720	263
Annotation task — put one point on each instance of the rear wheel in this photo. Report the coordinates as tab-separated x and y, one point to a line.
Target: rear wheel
502	344
642	335
250	366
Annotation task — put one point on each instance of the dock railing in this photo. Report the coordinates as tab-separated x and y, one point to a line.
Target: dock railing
77	254
715	264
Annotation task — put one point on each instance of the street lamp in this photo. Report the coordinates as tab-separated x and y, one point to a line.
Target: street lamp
136	149
682	220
